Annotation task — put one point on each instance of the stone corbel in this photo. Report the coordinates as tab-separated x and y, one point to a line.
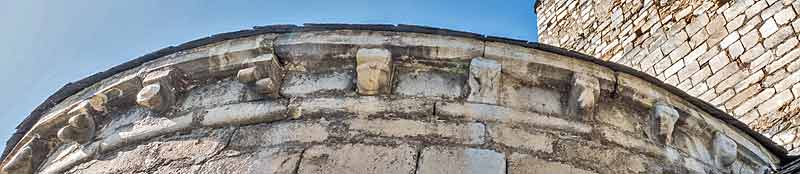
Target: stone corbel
584	95
80	127
119	93
374	71
662	122
264	73
160	89
725	150
484	81
28	158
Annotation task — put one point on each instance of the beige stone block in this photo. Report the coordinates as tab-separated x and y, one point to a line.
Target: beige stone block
728	40
529	164
769	27
358	158
462	133
444	160
779	37
784	16
244	113
492	113
751	103
269	161
262	135
374	71
519	138
743	96
750	39
777	101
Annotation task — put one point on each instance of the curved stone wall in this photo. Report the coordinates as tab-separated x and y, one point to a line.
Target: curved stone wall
383	99
739	55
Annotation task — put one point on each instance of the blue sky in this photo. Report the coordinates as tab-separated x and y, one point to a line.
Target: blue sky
46	44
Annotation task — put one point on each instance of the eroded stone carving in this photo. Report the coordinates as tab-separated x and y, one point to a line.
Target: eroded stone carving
28	158
264	73
663	122
584	94
81	126
374	71
160	88
724	150
484	81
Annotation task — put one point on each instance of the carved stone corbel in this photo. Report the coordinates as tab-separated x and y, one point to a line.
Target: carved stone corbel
484	81
264	73
662	122
28	158
374	71
160	89
584	95
80	127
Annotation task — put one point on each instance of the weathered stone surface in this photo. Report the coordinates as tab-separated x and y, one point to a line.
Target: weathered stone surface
507	115
275	134
430	83
663	122
358	159
484	81
374	67
724	150
466	133
244	113
528	164
584	95
520	138
267	161
441	160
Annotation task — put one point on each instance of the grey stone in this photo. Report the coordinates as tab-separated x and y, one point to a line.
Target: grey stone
444	160
724	150
529	164
358	159
462	133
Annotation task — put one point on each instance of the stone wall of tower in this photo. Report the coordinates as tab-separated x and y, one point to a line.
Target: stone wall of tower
739	55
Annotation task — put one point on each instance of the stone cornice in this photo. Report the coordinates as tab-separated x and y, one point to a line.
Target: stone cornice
167	69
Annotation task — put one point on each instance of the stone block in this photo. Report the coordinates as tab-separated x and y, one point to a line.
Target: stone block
267	161
244	113
374	71
300	84
358	159
430	83
519	138
724	150
275	134
461	133
362	107
492	113
769	27
444	160
217	93
529	164
484	81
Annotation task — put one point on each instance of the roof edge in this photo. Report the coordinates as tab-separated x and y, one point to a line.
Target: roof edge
71	88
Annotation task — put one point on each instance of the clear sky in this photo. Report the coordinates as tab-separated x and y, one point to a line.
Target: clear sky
46	44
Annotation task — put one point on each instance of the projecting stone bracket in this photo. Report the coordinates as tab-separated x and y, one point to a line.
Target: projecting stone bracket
725	150
662	122
80	127
374	71
160	89
584	95
265	74
28	158
484	81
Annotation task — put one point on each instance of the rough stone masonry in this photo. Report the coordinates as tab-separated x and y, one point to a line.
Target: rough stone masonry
329	98
739	55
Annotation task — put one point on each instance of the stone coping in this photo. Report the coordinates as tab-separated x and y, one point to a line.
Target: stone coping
73	88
